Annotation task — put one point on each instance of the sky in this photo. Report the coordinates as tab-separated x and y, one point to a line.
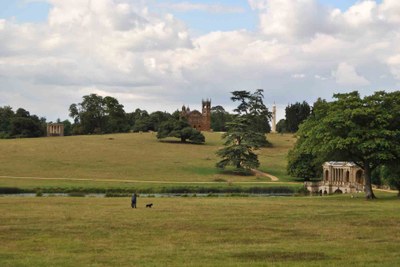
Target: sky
159	55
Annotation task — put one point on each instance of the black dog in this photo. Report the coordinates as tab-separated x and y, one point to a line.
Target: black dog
149	205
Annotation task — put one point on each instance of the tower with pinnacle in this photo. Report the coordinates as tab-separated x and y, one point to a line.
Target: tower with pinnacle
199	121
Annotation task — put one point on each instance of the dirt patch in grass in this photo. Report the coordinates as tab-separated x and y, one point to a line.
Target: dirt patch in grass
274	256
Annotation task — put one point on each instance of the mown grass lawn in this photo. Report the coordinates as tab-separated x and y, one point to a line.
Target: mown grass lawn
117	159
275	231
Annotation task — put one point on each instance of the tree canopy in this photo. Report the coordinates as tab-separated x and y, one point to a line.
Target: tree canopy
295	114
219	119
96	114
252	107
240	143
180	129
20	124
365	131
246	132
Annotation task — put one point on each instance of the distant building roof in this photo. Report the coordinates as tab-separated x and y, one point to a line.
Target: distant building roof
339	164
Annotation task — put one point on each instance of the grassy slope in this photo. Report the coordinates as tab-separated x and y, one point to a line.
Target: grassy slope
303	231
274	160
122	157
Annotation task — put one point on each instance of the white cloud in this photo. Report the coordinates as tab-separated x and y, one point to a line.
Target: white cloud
149	60
394	63
287	19
346	75
390	11
212	8
319	77
298	76
362	13
258	4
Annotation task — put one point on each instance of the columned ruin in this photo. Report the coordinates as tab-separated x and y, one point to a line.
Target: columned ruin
339	177
55	129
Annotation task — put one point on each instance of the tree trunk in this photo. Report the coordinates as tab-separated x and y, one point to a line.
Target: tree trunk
369	194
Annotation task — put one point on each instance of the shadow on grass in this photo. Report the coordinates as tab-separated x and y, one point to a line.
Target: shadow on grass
280	256
177	142
239	172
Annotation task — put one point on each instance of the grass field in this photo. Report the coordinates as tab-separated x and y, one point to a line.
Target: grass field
275	231
185	231
126	160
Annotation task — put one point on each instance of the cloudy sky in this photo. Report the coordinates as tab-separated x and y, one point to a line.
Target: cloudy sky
158	55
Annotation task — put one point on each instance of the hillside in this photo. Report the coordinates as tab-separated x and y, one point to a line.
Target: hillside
126	157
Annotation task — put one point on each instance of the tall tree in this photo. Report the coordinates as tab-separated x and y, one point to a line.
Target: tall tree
391	175
296	114
251	107
363	130
219	118
116	120
281	126
142	121
6	115
240	143
158	117
96	114
67	127
244	133
25	125
89	114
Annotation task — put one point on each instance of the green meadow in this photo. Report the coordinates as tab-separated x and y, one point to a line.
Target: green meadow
241	230
130	160
206	231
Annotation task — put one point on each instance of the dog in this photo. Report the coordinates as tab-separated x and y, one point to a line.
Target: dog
149	205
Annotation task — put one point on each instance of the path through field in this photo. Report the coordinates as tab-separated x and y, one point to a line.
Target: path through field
260	173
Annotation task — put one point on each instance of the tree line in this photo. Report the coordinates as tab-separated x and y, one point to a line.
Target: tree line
99	115
20	124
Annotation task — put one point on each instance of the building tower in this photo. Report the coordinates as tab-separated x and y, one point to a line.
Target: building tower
206	113
200	121
273	127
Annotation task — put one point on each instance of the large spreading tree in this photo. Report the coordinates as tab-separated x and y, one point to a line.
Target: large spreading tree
96	114
180	129
365	131
246	132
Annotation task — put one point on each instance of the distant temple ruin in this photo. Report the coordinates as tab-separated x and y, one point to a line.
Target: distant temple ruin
338	177
55	129
199	121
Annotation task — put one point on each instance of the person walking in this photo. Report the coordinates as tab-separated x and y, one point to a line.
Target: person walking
133	201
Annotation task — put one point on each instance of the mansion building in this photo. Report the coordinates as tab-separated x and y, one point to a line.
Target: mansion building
199	121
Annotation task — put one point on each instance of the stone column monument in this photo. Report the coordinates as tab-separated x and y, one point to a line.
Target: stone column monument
273	126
